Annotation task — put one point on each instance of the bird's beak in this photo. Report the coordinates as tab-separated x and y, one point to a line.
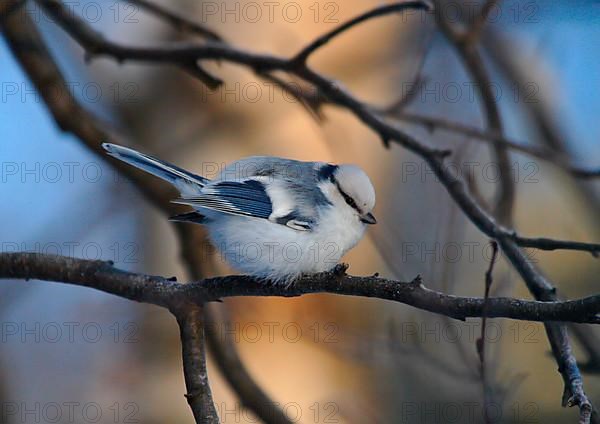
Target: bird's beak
368	219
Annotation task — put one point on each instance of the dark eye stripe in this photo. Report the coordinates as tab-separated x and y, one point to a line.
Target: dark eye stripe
349	200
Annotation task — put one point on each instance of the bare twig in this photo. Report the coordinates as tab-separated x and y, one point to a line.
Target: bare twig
301	57
481	340
175	296
551	244
96	45
223	350
329	91
191	326
466	47
94	42
573	394
497	138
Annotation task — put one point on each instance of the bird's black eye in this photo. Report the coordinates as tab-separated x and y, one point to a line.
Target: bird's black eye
349	200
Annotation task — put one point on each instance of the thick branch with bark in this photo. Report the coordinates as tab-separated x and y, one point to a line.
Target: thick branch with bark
175	296
191	327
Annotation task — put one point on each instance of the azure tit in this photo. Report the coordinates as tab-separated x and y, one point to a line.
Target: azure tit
270	217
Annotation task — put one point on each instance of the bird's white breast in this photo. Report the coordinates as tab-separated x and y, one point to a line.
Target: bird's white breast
279	253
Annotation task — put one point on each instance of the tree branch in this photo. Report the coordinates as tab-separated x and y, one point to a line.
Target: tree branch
573	394
301	57
542	243
175	296
480	345
94	42
223	350
182	53
191	327
95	45
496	138
466	47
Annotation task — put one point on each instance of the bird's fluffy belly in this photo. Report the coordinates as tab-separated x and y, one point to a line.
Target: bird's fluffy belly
261	248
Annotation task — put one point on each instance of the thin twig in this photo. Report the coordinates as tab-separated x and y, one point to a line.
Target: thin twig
465	44
543	243
94	42
496	138
573	394
481	340
301	57
328	90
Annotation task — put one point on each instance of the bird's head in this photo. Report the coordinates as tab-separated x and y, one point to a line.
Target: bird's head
355	188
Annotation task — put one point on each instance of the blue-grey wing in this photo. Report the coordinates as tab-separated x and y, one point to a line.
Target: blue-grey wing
247	198
240	189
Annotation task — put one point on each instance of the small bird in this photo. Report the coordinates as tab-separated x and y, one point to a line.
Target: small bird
272	218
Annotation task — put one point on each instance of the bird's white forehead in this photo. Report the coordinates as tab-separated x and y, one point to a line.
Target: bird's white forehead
356	183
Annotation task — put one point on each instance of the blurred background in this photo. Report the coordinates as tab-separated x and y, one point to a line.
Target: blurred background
75	355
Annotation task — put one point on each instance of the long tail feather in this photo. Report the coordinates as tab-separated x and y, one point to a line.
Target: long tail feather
180	178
